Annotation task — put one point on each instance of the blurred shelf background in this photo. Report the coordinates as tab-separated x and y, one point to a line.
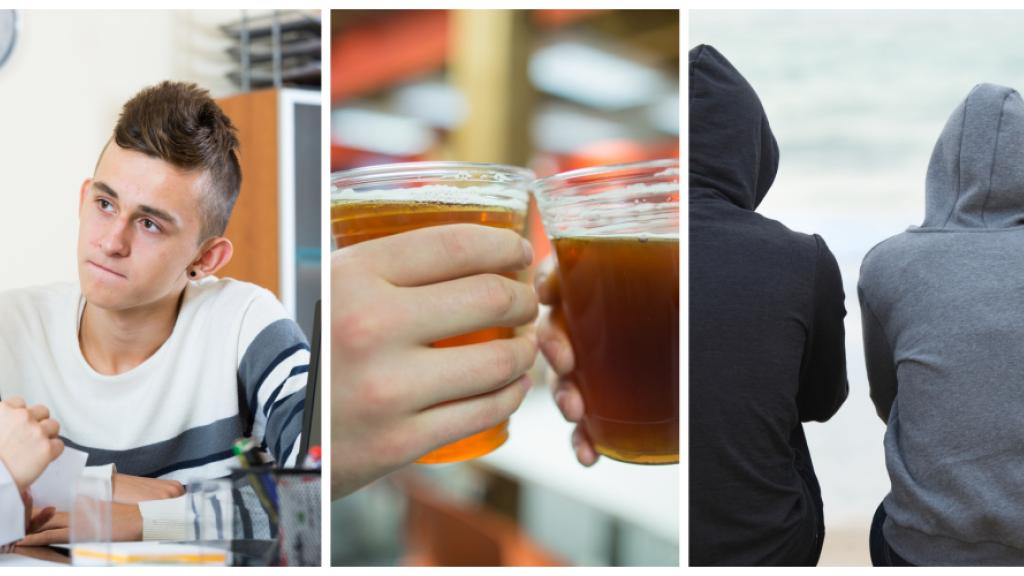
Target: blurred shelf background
552	90
276	108
275	49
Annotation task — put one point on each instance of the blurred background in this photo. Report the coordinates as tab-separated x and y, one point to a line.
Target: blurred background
63	83
856	100
552	90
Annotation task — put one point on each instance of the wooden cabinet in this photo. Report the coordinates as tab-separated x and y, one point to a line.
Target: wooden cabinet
275	226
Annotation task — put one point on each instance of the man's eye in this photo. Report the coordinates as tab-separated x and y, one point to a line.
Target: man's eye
105	205
150	225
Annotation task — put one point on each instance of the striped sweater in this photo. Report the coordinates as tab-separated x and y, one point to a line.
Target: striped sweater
235	365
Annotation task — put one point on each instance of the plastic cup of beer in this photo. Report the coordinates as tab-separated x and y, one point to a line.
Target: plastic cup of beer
615	231
377	201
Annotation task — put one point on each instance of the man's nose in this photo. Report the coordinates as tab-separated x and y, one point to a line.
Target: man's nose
116	241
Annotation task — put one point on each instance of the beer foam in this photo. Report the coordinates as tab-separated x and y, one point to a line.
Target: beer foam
601	215
487	195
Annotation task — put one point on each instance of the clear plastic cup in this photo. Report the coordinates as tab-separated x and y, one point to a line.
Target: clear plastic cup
377	201
210	510
615	231
90	522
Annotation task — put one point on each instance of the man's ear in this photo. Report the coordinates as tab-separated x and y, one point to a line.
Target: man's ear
86	184
216	253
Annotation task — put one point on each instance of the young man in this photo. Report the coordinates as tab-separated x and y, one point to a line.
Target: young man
766	339
152	364
942	315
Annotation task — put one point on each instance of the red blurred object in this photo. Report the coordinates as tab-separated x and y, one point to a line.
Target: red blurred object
441	532
618	152
374	55
344	158
559	18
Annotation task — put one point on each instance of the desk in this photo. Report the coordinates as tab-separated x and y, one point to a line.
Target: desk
34	556
539	450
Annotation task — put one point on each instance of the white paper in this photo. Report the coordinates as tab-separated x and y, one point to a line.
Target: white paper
56	486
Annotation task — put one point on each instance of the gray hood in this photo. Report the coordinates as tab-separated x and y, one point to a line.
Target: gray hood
976	172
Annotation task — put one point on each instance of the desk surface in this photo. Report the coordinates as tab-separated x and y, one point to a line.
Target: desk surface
539	450
34	556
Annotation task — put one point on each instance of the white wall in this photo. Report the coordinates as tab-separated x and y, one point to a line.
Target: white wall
60	93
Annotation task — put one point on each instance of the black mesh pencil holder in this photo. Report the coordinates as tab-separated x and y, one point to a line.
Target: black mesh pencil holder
281	508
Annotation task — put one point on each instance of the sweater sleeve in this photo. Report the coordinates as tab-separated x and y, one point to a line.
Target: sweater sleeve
272	377
823	385
878	355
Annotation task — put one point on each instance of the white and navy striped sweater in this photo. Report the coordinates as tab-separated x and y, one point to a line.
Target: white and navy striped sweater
235	365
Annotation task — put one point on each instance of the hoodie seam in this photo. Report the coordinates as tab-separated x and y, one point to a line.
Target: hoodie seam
959	158
992	167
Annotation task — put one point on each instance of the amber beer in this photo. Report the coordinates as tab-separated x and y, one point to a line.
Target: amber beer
393	212
620	302
615	230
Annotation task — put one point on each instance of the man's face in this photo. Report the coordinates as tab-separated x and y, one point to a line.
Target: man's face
139	225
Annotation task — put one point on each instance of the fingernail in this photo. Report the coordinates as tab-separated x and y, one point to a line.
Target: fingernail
552	349
527	251
546	347
559	400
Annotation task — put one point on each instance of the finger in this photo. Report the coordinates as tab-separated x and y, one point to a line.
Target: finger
15	402
41	518
583	447
569	400
46	538
50	427
56	447
26	499
449	422
175	488
465	305
547	283
39	412
56	521
448	374
438	253
555	346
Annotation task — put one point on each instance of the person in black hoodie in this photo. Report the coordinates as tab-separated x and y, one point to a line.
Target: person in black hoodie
766	339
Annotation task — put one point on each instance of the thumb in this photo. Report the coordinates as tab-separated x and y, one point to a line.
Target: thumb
56	448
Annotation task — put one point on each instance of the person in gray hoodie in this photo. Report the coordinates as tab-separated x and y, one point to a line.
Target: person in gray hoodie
943	315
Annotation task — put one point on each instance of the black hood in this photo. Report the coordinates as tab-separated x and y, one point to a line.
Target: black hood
733	153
